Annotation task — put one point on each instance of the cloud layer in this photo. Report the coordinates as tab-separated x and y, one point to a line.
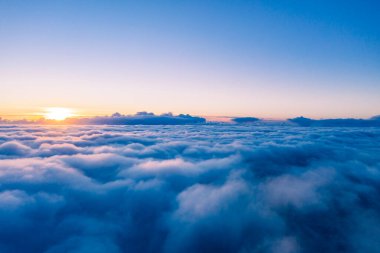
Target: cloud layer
195	188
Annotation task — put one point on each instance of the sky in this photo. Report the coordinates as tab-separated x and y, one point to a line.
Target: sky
269	59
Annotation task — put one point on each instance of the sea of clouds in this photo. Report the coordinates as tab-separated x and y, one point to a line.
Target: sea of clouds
194	188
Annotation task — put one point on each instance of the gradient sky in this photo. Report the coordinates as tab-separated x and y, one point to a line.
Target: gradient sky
272	59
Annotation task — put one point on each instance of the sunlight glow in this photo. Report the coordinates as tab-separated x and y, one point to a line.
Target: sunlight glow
58	113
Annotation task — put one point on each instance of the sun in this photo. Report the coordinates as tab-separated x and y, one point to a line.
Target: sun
58	113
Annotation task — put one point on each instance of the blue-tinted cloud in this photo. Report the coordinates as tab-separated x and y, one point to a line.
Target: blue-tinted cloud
245	120
372	122
194	188
141	118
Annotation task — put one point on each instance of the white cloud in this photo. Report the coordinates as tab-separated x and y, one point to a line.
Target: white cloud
209	188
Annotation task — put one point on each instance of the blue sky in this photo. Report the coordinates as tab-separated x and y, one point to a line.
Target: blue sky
272	59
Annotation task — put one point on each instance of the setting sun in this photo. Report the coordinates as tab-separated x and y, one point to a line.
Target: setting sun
58	113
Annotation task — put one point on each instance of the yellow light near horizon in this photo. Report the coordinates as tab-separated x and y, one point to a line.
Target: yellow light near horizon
58	113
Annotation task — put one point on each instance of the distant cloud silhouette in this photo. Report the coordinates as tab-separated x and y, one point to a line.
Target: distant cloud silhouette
140	118
302	121
149	118
245	120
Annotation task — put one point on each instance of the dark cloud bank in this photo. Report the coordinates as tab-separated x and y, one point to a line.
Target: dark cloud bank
197	188
148	118
372	122
245	120
141	118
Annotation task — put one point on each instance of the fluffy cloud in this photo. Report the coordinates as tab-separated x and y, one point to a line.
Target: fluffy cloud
193	188
13	148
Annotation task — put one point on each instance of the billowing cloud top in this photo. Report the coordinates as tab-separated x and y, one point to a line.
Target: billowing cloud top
197	188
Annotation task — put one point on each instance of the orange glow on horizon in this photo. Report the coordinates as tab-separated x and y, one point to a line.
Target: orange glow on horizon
58	113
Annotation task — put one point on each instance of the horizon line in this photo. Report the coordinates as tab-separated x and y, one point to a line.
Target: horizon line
36	117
